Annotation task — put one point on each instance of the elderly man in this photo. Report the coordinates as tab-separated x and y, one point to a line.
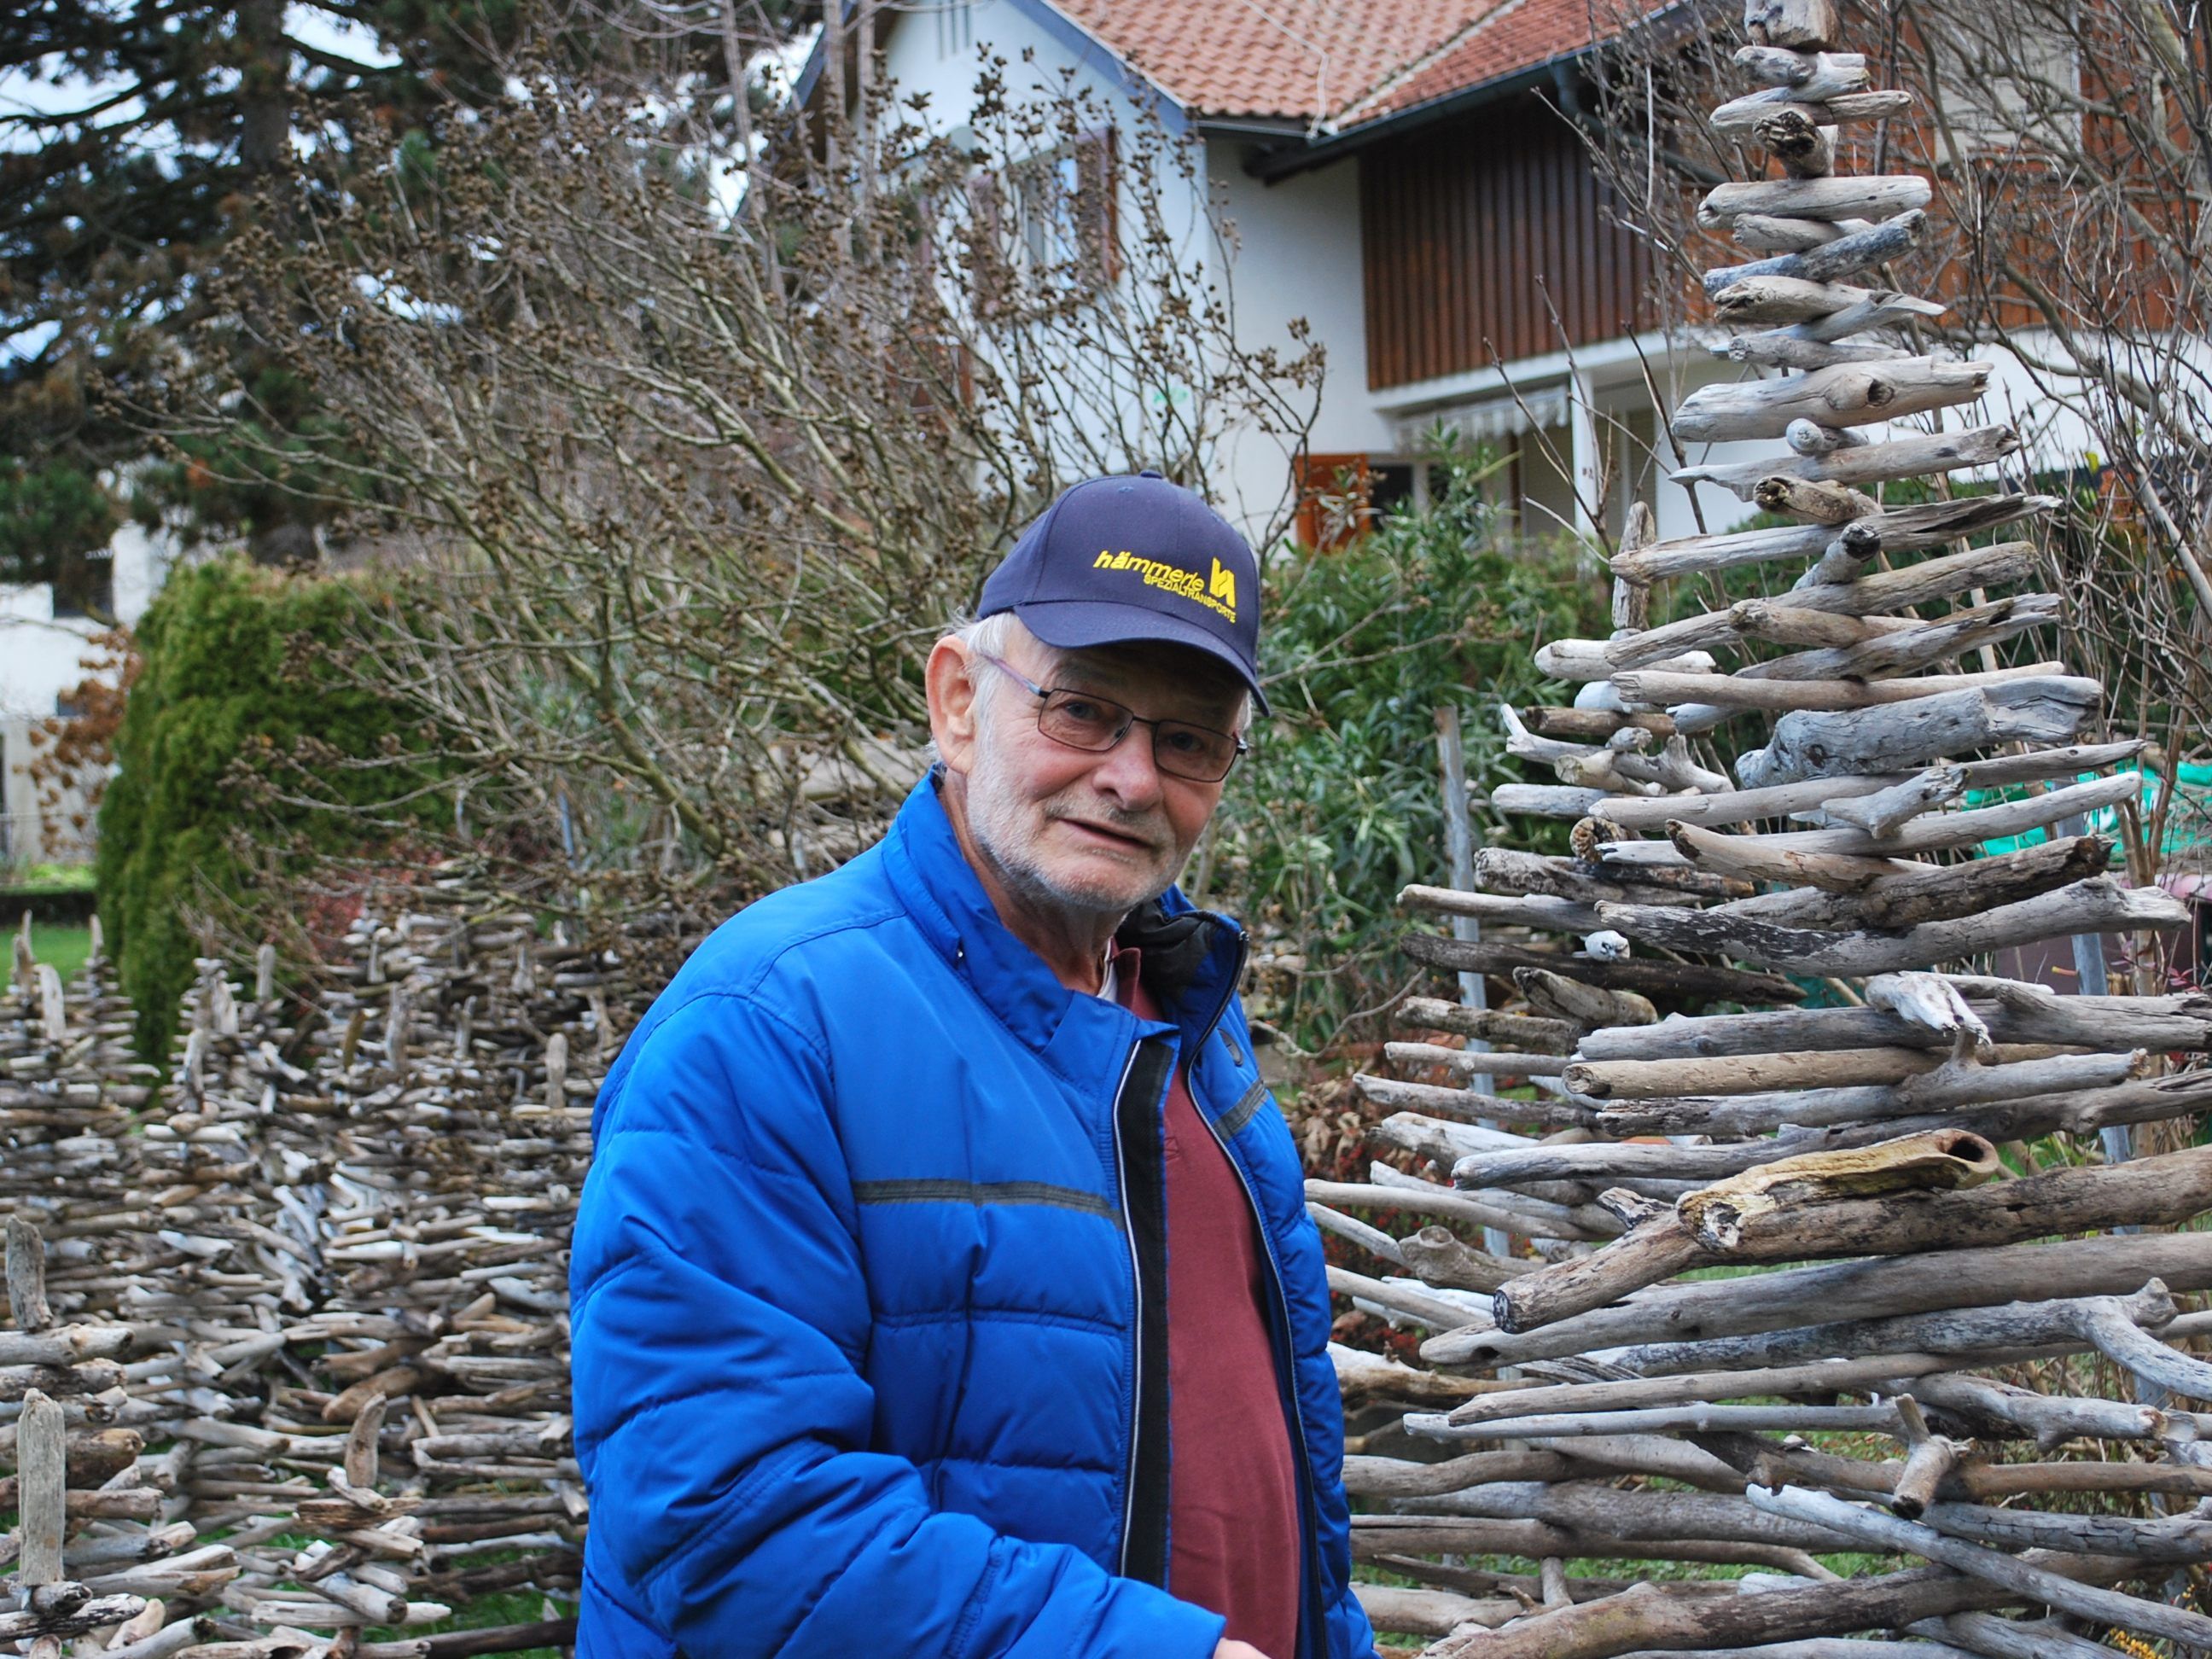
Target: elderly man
943	1284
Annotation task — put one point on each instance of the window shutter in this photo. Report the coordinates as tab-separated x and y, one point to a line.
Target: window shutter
1097	203
989	272
1333	495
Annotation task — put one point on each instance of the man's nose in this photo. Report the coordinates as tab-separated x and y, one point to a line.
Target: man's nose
1129	771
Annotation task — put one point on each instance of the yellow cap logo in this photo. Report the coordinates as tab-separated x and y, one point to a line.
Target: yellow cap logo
1218	594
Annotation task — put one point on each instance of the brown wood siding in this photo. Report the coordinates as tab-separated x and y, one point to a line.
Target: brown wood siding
1473	233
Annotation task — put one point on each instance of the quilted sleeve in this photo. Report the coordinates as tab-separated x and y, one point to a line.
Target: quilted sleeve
720	1315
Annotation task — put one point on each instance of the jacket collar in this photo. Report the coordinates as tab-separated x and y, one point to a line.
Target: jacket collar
947	901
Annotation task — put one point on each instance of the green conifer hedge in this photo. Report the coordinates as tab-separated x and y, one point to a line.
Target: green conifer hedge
231	680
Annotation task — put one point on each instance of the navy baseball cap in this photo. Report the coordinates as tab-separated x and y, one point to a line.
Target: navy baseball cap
1129	558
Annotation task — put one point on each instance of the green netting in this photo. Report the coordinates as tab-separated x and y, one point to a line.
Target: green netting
2188	827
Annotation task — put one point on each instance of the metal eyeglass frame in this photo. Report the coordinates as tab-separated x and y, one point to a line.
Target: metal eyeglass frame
1129	718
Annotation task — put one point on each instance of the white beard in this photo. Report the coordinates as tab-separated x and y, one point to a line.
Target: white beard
999	820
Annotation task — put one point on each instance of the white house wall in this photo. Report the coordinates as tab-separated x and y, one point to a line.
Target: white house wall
42	661
1297	255
1295	251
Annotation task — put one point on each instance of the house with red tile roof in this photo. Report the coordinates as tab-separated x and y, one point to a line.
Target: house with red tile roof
1405	176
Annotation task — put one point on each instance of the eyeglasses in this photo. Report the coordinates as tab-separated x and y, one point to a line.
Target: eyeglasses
1095	725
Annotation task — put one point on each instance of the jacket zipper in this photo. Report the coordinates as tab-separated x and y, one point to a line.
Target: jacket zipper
1136	1321
1267	1243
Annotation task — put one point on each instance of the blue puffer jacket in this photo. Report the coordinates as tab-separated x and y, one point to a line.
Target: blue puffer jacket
868	1313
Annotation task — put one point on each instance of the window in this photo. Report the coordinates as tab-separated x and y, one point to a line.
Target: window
956	26
1048	225
2007	79
84	583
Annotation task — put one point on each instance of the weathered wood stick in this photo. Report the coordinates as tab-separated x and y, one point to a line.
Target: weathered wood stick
1592	724
2169	1538
1899	458
1406	1611
1423	1200
1825	1376
1697	1418
1561	997
1598	1509
1651	1455
1748	113
1546	800
27	1276
1894	530
1817	503
1373	1534
1864	197
1508	870
1663	1619
1995	1637
2076	1111
1788	800
1517	1031
1882	812
1797	25
1441	1258
1403	1299
2146	1192
1361	1377
1920	583
1585	659
1742	1219
1825	260
1844	394
1735	692
1878	1288
1905	735
1391	1477
1777	66
1557	915
1867	859
42	1483
1474	1062
1675	980
2117	1338
1882	592
2011	1327
1898	651
2033	1015
1468	1105
2097	905
2012	1572
1373	1240
1992	1408
1805	150
1659	1079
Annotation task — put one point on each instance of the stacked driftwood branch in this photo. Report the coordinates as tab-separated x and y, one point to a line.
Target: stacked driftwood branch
1952	1328
314	1290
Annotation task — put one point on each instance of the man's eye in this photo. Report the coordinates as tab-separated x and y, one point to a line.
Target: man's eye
1086	712
1183	741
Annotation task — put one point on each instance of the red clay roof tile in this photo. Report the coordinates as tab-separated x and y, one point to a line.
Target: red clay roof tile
1297	59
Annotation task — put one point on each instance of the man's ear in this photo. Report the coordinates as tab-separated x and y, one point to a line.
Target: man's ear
950	682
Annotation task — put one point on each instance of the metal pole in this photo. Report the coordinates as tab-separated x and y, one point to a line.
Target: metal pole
1459	848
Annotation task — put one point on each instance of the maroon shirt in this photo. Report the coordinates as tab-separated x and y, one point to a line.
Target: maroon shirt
1232	1489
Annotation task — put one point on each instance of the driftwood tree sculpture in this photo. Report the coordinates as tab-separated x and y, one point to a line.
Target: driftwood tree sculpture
1936	1345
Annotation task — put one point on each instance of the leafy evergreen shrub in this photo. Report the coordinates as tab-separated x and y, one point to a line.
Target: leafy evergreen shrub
1340	805
233	678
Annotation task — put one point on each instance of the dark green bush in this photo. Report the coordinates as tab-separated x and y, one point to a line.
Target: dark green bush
232	679
1340	805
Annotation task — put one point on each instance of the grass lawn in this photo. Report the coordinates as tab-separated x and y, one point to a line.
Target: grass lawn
64	947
